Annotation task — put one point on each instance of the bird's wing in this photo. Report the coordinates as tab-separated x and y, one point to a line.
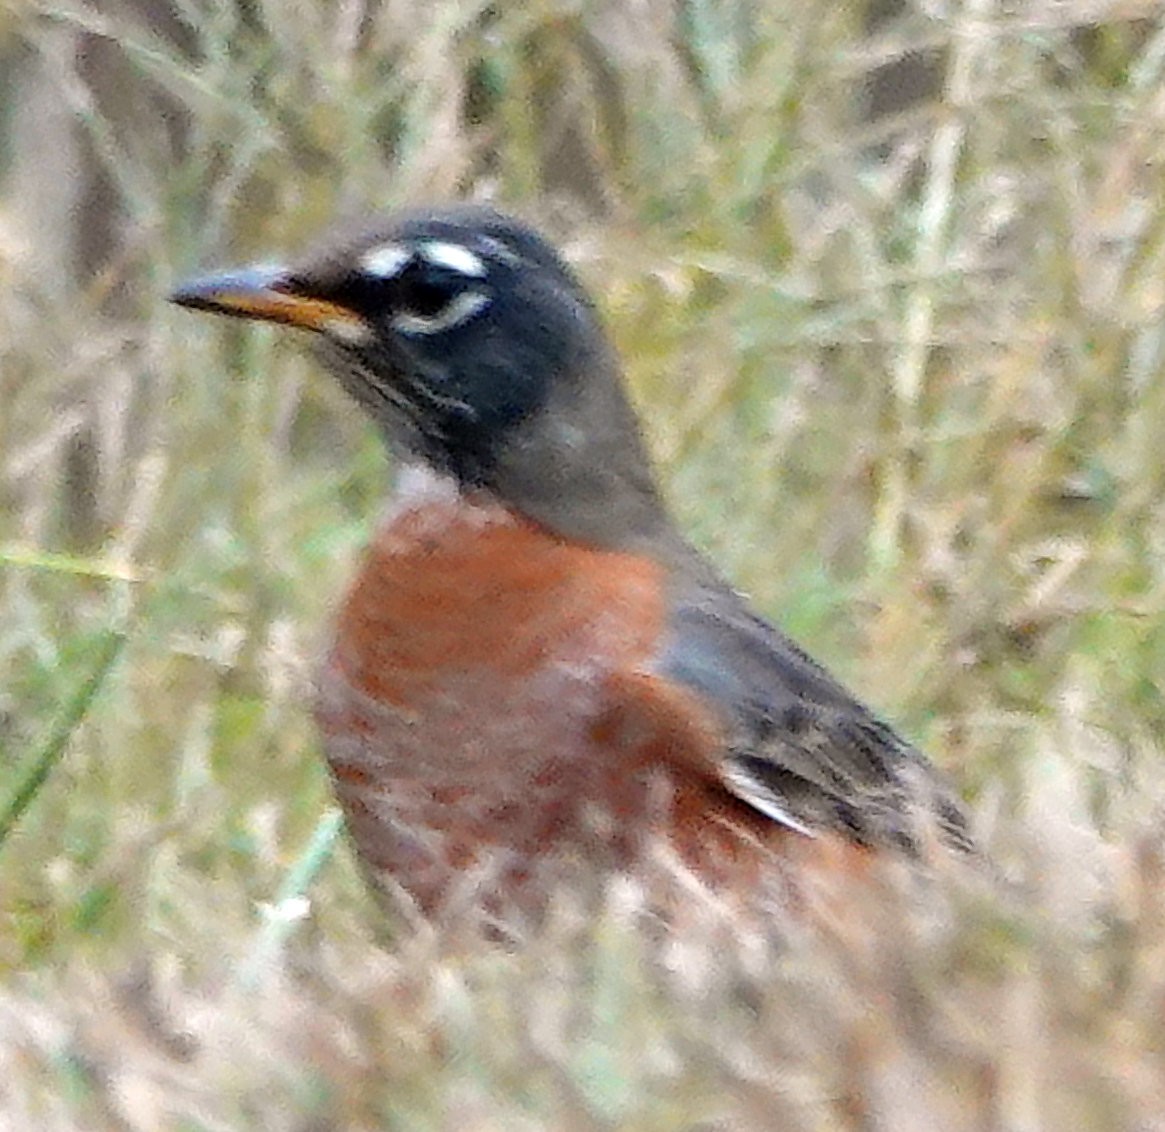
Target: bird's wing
799	748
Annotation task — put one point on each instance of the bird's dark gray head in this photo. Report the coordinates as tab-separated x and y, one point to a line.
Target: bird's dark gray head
473	347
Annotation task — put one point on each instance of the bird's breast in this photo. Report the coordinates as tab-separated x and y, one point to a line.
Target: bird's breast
463	612
463	703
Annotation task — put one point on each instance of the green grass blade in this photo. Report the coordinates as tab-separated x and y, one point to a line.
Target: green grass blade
50	753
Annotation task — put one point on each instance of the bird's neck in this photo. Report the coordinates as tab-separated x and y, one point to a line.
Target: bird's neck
576	465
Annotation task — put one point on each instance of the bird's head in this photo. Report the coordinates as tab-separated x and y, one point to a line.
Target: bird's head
474	349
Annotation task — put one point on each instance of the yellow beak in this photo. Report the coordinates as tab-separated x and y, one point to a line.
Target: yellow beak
267	293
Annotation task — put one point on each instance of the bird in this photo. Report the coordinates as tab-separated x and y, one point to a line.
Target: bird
532	665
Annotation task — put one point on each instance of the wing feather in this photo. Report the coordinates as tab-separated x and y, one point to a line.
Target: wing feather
800	748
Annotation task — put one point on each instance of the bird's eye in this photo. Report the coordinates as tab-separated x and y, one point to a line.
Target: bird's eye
422	297
427	299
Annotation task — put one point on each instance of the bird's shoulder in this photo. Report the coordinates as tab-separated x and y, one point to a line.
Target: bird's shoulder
794	743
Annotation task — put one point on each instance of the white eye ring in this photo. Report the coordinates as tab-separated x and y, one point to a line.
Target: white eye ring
386	261
456	311
456	257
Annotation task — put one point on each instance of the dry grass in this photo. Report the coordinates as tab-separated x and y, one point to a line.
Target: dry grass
903	375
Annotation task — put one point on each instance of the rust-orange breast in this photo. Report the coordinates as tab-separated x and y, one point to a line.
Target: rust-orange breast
466	705
489	707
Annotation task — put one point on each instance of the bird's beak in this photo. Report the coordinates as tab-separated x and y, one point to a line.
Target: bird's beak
272	295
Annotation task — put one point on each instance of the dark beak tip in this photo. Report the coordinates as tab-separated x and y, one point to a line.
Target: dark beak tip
214	292
189	297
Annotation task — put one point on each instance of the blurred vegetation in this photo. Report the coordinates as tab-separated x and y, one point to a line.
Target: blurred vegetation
887	277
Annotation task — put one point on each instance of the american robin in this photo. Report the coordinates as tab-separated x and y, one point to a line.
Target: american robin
532	663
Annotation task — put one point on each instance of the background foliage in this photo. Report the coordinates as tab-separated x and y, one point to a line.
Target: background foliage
887	277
